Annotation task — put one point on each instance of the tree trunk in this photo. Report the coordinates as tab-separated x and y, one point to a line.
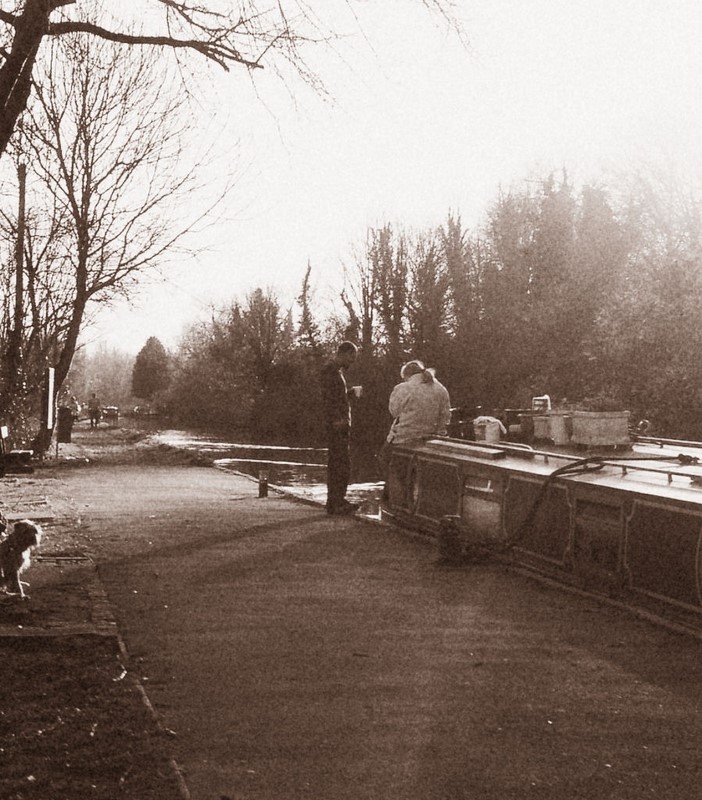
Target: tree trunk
16	73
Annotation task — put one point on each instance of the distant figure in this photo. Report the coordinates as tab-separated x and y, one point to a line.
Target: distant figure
66	415
337	416
420	406
74	405
94	410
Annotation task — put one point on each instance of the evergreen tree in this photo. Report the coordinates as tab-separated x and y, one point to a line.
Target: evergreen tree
464	264
506	335
151	374
388	260
428	300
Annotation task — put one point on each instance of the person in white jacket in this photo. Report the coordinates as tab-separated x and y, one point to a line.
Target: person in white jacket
420	405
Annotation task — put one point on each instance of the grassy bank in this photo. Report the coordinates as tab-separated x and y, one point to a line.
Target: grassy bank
73	720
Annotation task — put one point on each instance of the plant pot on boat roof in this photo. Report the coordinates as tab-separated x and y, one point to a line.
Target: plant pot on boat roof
601	423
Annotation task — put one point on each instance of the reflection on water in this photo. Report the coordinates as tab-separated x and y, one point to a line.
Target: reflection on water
209	445
300	471
279	473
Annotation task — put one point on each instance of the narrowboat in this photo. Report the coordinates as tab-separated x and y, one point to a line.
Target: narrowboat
625	521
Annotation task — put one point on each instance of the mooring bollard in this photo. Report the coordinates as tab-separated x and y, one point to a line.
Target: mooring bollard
263	483
450	547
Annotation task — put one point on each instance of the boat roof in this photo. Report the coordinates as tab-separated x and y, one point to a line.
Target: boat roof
653	467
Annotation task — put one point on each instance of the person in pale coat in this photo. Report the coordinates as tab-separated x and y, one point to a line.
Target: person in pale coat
420	406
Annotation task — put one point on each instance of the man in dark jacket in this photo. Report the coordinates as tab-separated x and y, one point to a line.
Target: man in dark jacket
337	414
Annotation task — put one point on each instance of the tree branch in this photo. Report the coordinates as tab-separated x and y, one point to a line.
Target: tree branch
219	52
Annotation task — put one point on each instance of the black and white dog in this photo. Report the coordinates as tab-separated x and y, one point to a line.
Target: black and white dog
15	551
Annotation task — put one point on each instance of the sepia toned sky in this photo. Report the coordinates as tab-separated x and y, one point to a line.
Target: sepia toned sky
421	124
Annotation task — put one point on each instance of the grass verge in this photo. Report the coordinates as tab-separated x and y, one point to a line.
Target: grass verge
73	724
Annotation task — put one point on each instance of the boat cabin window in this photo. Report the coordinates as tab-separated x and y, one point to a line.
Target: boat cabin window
481	484
481	504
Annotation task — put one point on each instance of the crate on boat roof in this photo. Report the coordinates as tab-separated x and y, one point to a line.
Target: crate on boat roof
600	428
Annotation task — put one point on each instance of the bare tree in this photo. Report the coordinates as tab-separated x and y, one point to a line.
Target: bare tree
105	149
30	315
360	293
308	333
232	33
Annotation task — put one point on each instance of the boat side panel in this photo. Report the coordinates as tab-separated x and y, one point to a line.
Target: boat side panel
401	482
598	536
663	552
482	496
439	488
538	520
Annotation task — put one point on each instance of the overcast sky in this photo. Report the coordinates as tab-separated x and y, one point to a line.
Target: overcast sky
422	125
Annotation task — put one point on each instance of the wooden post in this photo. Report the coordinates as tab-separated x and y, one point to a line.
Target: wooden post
14	349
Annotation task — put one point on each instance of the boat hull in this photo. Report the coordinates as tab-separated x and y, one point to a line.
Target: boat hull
629	525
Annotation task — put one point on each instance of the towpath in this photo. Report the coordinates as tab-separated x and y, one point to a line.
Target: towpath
295	655
298	656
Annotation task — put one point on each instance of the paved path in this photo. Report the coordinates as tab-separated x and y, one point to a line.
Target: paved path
301	656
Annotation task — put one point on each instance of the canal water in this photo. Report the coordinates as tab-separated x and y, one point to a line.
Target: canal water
298	471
